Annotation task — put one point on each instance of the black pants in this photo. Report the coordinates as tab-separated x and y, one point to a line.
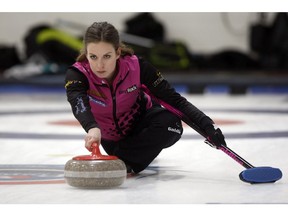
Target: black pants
157	130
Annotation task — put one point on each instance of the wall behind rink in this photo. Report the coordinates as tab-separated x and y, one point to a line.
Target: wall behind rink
203	32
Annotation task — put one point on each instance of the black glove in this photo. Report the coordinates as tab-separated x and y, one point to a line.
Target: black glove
214	136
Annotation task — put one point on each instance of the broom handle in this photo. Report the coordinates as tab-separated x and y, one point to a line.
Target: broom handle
225	149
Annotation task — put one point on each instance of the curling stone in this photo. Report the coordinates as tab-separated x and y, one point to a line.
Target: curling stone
95	170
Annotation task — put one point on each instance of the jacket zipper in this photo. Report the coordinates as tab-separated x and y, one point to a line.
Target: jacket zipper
113	95
113	91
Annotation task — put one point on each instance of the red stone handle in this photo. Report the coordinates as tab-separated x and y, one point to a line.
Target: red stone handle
95	155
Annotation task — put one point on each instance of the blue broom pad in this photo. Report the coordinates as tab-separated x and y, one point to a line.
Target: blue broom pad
261	175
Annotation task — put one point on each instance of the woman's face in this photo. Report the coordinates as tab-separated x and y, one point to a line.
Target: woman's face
102	58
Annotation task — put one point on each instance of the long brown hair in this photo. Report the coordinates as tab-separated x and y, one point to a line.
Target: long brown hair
105	32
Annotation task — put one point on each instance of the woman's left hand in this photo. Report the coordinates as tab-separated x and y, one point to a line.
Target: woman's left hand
215	136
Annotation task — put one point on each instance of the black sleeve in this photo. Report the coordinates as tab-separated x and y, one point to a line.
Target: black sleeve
76	90
160	88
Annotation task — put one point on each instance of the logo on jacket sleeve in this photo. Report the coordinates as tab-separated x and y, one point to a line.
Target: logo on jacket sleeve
71	82
80	107
158	80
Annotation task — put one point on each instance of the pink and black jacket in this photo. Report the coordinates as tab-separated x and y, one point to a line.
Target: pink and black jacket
117	108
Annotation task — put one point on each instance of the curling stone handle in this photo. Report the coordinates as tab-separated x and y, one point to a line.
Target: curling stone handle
95	149
95	155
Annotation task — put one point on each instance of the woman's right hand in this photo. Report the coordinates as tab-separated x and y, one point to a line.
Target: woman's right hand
93	136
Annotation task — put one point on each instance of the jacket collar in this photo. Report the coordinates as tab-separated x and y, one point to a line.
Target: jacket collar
121	67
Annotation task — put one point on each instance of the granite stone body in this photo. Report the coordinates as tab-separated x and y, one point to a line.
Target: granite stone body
95	173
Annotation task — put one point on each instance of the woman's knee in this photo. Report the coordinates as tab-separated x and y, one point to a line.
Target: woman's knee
172	129
173	123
